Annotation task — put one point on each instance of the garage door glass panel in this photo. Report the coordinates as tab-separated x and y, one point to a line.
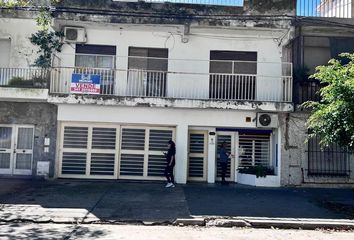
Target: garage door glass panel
133	139
102	164
196	143
75	137
157	164
196	168
103	138
132	165
5	160
74	163
158	139
5	137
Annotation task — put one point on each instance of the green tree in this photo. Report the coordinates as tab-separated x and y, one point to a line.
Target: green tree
47	40
332	119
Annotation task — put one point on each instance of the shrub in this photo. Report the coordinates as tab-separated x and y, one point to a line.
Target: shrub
20	82
259	171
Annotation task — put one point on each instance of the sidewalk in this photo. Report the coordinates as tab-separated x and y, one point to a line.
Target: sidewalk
72	201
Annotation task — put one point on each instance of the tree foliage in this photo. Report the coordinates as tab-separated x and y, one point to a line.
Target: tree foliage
47	40
332	119
14	3
26	3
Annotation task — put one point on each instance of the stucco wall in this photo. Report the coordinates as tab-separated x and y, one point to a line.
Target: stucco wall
44	118
293	148
18	30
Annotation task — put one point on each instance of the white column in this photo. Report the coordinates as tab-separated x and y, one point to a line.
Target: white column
121	74
211	156
181	153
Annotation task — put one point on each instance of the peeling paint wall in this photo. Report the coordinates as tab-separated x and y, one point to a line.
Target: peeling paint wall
18	31
44	118
295	155
293	148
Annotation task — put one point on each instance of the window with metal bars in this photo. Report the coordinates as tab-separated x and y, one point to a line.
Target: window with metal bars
332	161
254	150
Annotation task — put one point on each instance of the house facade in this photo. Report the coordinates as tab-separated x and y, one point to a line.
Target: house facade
132	76
315	44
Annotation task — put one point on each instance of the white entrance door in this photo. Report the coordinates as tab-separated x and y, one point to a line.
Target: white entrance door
16	149
231	140
198	155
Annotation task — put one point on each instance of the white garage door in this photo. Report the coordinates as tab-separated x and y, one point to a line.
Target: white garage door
111	151
142	152
89	151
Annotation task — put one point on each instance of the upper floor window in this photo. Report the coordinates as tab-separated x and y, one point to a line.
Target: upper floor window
5	46
232	75
235	62
99	60
147	72
154	59
95	56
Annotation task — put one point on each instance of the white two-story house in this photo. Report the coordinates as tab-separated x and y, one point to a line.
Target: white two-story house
132	76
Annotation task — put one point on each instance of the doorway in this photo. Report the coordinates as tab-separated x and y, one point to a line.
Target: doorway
197	155
231	140
16	149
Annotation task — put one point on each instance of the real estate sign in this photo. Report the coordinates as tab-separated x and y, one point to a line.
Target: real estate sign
85	83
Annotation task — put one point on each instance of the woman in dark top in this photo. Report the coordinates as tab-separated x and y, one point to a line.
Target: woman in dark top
170	158
224	160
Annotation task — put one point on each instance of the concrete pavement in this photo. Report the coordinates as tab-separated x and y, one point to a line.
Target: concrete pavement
16	231
73	201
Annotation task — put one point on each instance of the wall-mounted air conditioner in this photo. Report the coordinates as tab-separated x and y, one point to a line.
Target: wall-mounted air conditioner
74	34
267	120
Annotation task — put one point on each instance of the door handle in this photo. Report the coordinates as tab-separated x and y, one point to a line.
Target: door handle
23	151
2	150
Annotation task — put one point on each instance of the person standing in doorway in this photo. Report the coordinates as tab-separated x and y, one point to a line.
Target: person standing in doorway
170	158
224	160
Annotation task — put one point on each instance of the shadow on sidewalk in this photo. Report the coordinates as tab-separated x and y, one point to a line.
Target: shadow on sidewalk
89	201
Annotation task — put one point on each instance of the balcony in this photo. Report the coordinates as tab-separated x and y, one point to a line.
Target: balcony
307	90
229	81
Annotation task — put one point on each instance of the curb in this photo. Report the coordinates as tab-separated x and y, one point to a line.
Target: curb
228	222
281	223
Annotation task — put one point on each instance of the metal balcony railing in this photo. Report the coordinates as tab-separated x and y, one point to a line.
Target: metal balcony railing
325	8
307	90
226	80
24	77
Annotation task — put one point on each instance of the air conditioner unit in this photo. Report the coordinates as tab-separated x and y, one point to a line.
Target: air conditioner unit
267	120
74	34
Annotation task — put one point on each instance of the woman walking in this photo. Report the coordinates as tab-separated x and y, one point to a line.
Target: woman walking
170	158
